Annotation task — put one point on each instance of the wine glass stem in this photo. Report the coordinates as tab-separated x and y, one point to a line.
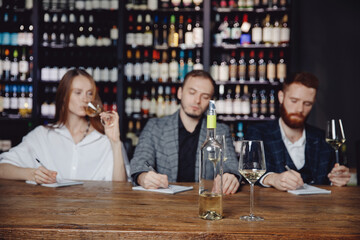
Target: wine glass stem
337	155
251	199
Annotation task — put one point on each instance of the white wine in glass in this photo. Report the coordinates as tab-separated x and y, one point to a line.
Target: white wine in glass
94	108
252	166
335	135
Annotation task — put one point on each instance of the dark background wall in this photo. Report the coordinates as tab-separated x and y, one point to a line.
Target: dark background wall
326	42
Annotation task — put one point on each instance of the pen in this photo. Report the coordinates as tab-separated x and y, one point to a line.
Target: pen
287	167
39	162
150	167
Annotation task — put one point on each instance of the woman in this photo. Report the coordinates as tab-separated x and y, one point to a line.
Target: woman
75	147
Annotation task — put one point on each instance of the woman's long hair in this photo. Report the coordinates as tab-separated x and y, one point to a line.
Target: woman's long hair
63	97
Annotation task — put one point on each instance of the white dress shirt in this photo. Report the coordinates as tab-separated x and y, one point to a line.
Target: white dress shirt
90	159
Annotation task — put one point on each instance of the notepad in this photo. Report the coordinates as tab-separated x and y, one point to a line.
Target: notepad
60	183
172	189
308	189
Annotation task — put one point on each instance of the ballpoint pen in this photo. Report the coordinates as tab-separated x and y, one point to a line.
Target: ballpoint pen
152	169
287	167
40	162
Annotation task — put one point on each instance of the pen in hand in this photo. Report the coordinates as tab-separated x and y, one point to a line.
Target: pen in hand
152	169
53	173
287	168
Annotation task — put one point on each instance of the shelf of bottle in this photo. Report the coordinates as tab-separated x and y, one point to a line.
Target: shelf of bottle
247	82
15	10
232	118
14	117
250	10
167	10
151	83
83	11
77	47
17	82
15	46
249	46
165	47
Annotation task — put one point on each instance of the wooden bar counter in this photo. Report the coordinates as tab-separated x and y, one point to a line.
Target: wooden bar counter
107	210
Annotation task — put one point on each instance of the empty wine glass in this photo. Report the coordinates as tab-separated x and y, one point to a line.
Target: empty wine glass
252	166
335	135
222	141
94	108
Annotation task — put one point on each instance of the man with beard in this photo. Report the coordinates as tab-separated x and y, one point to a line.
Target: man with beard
291	143
171	144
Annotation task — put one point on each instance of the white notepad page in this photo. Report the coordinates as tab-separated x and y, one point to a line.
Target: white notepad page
171	190
308	189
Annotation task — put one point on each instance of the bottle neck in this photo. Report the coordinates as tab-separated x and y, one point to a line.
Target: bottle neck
211	133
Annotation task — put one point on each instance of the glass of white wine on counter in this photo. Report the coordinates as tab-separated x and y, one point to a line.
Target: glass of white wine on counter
252	166
335	135
95	107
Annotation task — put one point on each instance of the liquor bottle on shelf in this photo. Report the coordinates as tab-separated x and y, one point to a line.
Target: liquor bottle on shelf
228	102
131	134
6	65
261	67
145	105
252	66
164	34
173	101
245	38
160	107
165	4
254	103
271	68
139	31
210	196
14	68
14	101
182	66
189	63
181	31
176	3
237	101
276	31
233	67
129	102
167	103
281	68
146	66
267	30
272	103
223	69
242	67
198	65
239	137
156	31
235	32
6	103
220	102
164	68
263	104
187	3
130	33
173	39
189	40
245	102
155	68
285	31
1	100
148	34
129	67
153	103
173	67
138	66
256	32
198	32
214	70
136	105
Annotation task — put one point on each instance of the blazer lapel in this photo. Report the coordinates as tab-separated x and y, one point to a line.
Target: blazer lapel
311	152
277	148
171	135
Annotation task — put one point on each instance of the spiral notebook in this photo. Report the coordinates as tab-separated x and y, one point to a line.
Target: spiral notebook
308	189
60	183
172	189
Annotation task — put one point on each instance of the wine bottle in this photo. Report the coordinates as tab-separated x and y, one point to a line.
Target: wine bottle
14	68
210	183
160	107
220	102
145	104
242	67
272	103
237	101
189	42
285	31
146	66
173	67
245	38
129	102
256	32
263	104
198	65
276	31
164	68
281	68
228	102
182	66
154	67
267	30
261	67
129	66
139	31
181	31
153	103
189	63
198	32
223	69
148	34
138	66
254	103
271	68
173	102
252	66
130	35
136	105
245	102
233	67
167	110
173	35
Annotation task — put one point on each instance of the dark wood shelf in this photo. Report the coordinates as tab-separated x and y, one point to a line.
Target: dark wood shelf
248	82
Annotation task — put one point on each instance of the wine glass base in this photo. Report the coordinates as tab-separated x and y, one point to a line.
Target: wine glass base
251	218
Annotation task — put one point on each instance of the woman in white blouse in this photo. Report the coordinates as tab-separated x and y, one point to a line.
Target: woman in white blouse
75	147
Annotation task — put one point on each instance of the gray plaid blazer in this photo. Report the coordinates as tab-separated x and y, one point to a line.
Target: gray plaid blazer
159	146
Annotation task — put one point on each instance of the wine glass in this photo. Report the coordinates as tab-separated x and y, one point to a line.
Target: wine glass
335	135
94	108
252	166
222	141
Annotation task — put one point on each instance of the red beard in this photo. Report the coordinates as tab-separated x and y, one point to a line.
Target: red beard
292	120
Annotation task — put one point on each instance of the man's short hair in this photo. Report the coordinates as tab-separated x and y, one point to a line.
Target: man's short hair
201	74
307	79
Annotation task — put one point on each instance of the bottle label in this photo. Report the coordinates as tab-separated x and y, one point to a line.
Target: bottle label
148	39
14	68
281	70
6	103
242	72
267	34
220	106
271	71
211	121
130	38
137	105
6	65
235	33
256	35
23	66
14	103
146	68
276	35
285	35
198	35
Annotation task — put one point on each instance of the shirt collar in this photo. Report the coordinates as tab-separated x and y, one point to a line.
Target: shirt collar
62	130
300	142
197	128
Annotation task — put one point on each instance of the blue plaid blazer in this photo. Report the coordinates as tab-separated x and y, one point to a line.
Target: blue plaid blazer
317	152
159	146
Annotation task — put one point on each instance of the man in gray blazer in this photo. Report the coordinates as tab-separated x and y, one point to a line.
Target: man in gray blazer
171	144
